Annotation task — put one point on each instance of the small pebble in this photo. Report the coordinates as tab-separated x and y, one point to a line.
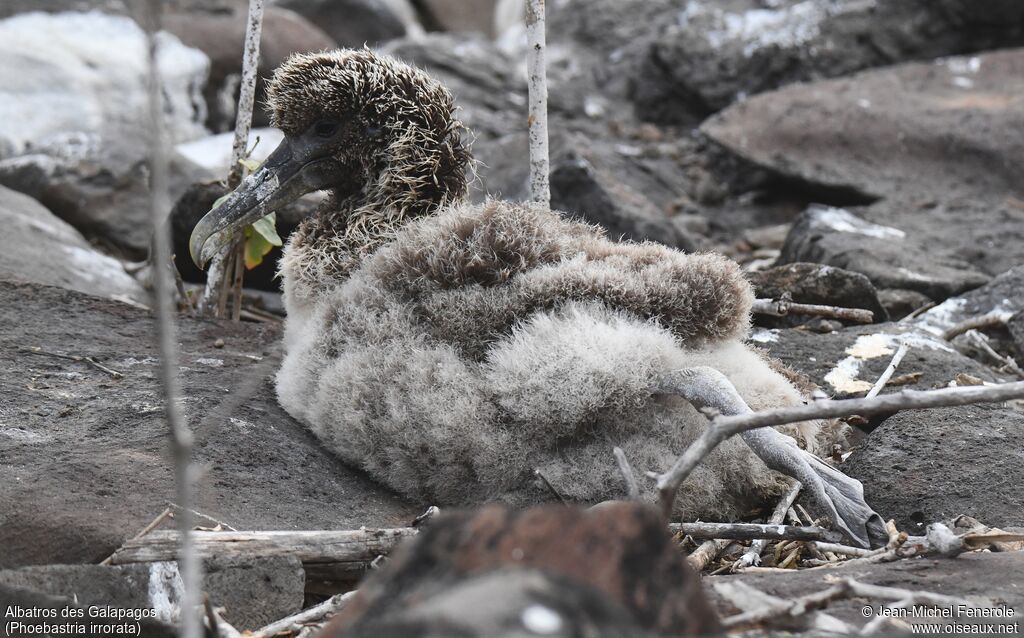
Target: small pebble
219	343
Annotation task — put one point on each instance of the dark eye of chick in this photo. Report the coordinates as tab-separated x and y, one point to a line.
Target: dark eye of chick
325	128
373	132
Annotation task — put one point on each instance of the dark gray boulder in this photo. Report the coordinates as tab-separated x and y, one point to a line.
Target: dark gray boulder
1016	327
55	606
583	186
708	55
924	466
817	284
1002	297
987	579
888	256
85	457
252	593
931	149
846	363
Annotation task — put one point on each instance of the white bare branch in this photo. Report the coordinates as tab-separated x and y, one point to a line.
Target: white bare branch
536	69
181	436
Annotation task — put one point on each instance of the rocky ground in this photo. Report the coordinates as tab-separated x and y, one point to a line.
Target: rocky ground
858	153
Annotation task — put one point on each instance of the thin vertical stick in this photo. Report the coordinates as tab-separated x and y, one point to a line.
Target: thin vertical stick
236	285
225	287
247	91
536	68
181	437
210	297
223	272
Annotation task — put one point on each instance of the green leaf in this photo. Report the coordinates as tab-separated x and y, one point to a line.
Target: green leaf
256	248
260	239
250	164
267	227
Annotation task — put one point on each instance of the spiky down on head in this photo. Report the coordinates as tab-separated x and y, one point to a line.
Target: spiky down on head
399	130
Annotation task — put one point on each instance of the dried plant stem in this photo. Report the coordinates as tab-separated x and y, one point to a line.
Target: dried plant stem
226	269
73	357
989	320
219	627
706	387
536	68
905	400
145	530
753	555
311	546
181	436
781	308
889	370
708	551
847	588
247	91
209	300
751	531
316	614
236	282
980	341
846	550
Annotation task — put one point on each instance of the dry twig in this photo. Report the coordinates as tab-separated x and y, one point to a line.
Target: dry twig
988	320
536	68
781	308
980	342
753	531
181	436
789	608
226	268
145	530
847	588
753	555
749	599
355	548
311	616
889	370
708	551
832	408
219	627
175	506
845	550
75	357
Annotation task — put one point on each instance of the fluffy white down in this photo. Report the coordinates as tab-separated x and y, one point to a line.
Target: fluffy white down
557	394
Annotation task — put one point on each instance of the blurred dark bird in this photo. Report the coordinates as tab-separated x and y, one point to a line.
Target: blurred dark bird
449	349
606	572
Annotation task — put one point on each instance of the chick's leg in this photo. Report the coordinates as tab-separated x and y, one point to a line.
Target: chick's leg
840	495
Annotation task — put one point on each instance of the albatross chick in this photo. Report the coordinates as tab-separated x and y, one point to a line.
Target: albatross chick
449	349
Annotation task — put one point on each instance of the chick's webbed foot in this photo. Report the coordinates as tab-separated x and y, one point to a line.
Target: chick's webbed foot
840	495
